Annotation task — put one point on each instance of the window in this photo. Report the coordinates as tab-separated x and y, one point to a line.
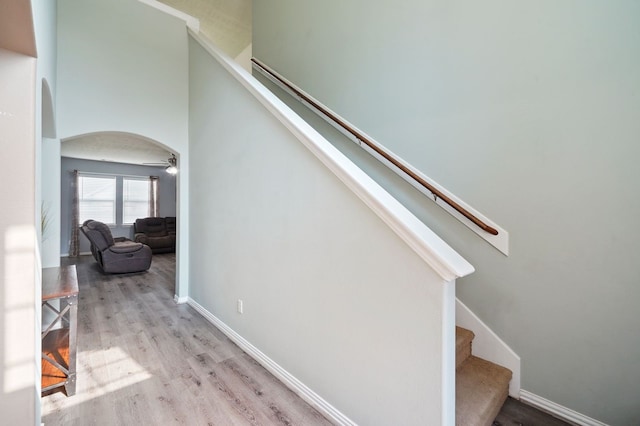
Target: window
116	199
135	199
97	198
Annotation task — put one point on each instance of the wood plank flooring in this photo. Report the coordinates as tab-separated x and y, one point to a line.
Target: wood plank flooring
516	413
144	360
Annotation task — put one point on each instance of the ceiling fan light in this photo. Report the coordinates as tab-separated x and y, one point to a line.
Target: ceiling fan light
172	168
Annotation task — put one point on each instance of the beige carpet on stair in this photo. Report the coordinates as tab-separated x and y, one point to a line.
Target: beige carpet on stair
483	386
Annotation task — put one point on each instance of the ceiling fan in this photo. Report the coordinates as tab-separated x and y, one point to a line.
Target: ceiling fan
171	165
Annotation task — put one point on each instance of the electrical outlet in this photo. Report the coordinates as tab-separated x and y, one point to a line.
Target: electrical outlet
240	306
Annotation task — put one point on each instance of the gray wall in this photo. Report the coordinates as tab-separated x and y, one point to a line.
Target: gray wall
330	293
528	112
166	194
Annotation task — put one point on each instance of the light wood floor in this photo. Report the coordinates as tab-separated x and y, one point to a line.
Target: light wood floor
516	413
143	360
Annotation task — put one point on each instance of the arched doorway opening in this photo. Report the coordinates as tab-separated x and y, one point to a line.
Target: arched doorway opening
48	115
123	161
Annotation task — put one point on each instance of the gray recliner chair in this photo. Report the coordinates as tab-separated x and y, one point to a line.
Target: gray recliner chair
115	256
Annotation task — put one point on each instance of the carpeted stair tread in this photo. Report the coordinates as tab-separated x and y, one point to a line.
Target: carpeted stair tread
481	389
463	345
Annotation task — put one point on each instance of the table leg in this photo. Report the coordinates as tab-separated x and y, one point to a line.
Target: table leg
70	386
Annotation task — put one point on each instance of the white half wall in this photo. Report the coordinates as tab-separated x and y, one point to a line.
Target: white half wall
330	293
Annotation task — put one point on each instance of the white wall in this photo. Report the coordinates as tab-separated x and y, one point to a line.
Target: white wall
244	58
50	200
47	144
330	293
528	112
123	66
19	281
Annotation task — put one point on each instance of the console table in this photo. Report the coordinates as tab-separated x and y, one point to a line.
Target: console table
59	338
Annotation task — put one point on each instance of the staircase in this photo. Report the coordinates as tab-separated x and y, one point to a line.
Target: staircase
482	387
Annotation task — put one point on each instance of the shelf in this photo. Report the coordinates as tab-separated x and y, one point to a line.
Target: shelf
56	346
60	296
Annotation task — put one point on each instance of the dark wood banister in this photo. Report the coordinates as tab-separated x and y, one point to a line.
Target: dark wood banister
359	136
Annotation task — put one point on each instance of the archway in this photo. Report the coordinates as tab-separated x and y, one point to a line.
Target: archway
47	171
48	115
124	156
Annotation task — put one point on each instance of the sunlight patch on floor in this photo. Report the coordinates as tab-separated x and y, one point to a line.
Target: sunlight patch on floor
118	372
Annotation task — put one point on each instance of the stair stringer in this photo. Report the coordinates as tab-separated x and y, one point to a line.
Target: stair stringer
489	346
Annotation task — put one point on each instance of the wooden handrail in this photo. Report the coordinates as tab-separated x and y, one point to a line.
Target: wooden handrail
379	150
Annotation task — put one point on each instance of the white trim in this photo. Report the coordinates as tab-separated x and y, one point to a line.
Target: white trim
180	300
84	253
299	388
486	344
431	248
192	23
558	410
449	354
500	241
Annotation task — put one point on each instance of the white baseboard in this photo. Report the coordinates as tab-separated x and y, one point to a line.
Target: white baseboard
84	253
299	388
180	300
558	410
486	344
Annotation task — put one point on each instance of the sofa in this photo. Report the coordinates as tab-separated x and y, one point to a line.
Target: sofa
115	255
159	233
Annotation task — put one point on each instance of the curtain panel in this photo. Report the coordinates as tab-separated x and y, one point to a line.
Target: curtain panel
74	242
153	196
